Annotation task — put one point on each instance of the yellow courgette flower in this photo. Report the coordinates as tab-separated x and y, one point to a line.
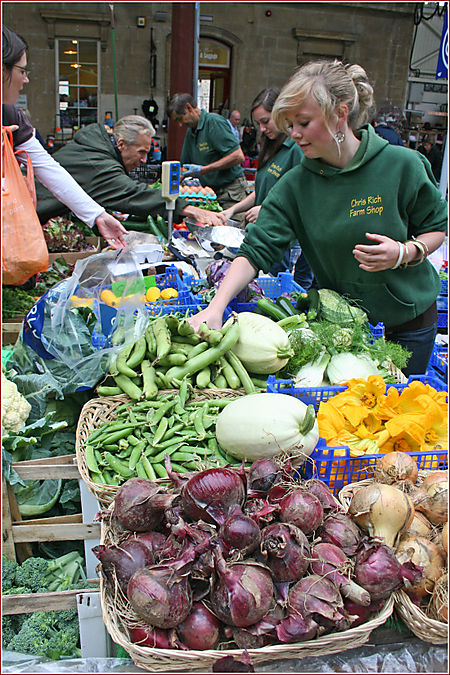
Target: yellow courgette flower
357	446
360	399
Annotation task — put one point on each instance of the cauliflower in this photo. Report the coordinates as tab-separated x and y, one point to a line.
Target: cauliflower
15	408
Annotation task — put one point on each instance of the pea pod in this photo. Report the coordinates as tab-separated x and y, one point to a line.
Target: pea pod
103	390
148	468
229	373
162	335
160	431
196	363
151	343
176	359
136	454
160	470
149	386
185	328
128	386
90	459
118	467
138	353
140	471
121	363
241	372
203	377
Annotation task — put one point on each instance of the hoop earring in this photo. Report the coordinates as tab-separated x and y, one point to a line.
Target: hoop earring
339	136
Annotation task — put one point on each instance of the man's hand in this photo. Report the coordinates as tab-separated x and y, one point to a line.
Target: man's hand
192	170
203	216
111	230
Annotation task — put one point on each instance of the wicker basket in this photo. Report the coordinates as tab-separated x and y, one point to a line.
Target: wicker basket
97	411
423	626
117	614
418	622
346	493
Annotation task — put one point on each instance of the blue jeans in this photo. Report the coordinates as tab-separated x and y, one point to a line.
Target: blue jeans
420	342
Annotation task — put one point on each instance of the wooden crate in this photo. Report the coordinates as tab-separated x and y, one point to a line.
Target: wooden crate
72	256
19	533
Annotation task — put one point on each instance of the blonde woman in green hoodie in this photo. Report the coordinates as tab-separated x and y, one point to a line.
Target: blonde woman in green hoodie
366	213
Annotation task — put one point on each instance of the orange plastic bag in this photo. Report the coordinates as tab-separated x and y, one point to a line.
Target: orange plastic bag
24	250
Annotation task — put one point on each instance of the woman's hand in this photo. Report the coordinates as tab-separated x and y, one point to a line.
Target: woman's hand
202	215
209	316
382	255
111	230
252	214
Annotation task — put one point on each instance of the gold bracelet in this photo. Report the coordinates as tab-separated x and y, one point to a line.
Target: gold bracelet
423	250
404	264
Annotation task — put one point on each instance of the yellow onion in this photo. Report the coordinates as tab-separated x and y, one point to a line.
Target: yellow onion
394	467
420	526
425	554
382	511
435	507
444	535
439	599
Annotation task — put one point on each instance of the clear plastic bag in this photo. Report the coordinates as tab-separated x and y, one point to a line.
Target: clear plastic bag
69	336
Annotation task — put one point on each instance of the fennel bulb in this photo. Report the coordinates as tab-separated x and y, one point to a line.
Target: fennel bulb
311	374
346	366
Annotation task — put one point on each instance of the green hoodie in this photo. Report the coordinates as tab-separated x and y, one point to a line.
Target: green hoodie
92	159
385	189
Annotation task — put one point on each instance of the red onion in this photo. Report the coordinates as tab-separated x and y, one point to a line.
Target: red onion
200	629
263	474
181	540
260	510
340	529
296	628
359	614
242	593
321	490
231	664
258	634
287	550
159	596
209	494
125	559
239	532
153	540
318	597
302	509
140	504
378	570
329	560
148	636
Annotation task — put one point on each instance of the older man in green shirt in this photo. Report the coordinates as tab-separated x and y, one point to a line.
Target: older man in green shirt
210	150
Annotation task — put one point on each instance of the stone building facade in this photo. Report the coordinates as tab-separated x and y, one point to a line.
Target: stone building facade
262	43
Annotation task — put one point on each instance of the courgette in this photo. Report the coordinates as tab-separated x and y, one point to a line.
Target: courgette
286	305
270	309
313	303
302	304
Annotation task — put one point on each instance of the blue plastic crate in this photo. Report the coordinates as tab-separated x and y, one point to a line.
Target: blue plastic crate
377	331
442	321
444	287
438	364
442	303
337	468
335	465
272	288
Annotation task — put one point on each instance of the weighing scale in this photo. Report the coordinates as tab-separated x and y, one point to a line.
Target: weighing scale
170	189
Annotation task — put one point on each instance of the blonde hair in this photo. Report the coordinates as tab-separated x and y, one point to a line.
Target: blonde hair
128	128
330	83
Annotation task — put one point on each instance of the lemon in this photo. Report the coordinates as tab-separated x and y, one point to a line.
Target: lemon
153	293
81	302
109	298
169	293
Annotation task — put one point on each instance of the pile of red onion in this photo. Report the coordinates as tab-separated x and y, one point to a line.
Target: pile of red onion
242	558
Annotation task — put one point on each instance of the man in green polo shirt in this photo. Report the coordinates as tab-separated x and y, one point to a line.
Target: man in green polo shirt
210	150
